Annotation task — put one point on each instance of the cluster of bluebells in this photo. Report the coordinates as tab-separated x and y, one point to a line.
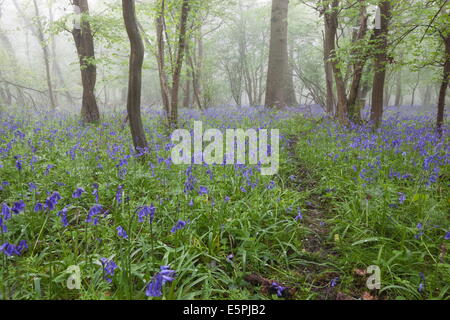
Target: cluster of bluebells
154	288
109	266
14	250
179	225
146	211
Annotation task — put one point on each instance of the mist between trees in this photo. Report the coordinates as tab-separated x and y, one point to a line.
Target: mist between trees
345	56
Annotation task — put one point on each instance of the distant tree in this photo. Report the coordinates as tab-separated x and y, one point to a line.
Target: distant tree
38	31
135	75
278	56
84	43
380	62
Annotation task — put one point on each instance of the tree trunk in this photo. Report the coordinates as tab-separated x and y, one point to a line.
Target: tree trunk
444	86
160	59
331	19
376	113
84	43
329	107
40	36
135	76
358	67
278	56
291	99
173	117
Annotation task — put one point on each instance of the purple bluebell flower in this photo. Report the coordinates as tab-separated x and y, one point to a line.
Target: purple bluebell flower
119	194
18	207
203	190
95	191
63	215
401	198
121	232
3	227
6	211
108	269
52	201
32	187
447	236
299	215
278	289
12	250
230	258
38	207
77	193
154	288
334	282
179	225
146	211
19	165
95	210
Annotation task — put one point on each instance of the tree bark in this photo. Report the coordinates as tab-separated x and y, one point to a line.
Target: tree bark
331	19
381	59
278	56
444	86
173	117
41	38
165	91
84	43
358	67
135	76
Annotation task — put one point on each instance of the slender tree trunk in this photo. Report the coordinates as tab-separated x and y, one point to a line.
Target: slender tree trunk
173	118
41	38
426	96
358	67
291	99
444	86
278	56
160	59
331	18
376	113
84	43
56	67
328	69
135	76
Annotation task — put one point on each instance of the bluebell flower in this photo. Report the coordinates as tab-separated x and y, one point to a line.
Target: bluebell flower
108	269
299	215
278	288
12	250
95	191
38	207
3	227
179	225
447	236
52	201
32	187
63	215
154	288
18	207
19	165
146	211
230	258
77	193
401	198
6	211
203	190
95	210
334	282
121	232
119	194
